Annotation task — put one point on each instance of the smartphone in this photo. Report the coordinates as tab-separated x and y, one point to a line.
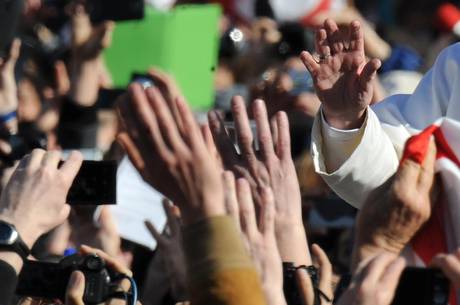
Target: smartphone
10	12
95	184
232	133
144	79
107	98
115	10
422	286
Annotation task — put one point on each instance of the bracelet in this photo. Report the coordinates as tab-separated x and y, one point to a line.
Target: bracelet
5	118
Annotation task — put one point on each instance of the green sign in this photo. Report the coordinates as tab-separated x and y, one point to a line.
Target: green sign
183	42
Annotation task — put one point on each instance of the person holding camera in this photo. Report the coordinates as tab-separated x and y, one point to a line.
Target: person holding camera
32	204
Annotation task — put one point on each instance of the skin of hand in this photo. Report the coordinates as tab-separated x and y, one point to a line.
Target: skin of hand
305	284
171	252
88	42
34	198
375	281
271	167
261	240
76	286
8	87
275	90
165	144
102	235
394	213
343	78
450	266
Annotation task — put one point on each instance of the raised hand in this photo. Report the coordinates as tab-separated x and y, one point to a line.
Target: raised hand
171	252
393	213
167	148
375	281
8	87
342	76
271	167
261	241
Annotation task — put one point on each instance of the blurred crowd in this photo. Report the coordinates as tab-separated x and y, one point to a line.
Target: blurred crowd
266	201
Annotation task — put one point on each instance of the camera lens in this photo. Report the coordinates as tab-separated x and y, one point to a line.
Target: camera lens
94	263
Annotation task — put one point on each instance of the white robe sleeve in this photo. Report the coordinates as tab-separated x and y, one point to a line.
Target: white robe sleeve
387	127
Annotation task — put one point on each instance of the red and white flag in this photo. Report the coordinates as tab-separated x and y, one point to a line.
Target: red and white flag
442	232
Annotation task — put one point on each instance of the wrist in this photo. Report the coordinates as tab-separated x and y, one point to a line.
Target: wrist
27	232
363	250
344	121
84	86
292	244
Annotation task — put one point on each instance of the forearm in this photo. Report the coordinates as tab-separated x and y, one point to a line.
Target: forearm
84	87
292	244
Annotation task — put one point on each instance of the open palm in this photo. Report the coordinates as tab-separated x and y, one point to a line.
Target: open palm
342	77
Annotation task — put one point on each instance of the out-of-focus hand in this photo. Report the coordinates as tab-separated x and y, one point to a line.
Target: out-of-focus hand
275	89
375	281
34	198
87	41
342	76
394	213
8	88
306	289
167	148
87	67
171	252
102	235
271	167
450	266
261	240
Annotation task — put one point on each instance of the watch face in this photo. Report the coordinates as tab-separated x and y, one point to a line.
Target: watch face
8	234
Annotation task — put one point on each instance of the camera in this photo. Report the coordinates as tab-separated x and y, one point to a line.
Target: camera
49	280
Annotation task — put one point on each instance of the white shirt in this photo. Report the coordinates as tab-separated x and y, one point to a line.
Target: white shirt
353	163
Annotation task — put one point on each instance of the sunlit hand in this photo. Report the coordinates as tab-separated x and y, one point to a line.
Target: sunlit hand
342	76
271	167
393	213
375	281
168	149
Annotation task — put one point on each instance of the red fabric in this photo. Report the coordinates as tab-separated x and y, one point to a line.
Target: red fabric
308	20
448	15
431	239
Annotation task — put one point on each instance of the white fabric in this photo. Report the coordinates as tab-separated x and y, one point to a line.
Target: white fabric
294	10
376	157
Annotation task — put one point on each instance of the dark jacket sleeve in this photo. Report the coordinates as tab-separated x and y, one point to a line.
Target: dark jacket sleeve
9	280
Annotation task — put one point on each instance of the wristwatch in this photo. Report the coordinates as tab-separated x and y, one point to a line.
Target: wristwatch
11	241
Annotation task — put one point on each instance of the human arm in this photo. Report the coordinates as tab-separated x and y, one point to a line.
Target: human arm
395	212
220	272
34	202
272	166
375	281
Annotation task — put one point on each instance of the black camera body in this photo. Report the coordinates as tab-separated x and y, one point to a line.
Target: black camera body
49	280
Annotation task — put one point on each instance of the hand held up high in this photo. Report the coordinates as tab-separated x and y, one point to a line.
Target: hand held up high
342	76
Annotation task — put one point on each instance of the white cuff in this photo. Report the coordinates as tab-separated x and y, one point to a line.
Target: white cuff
339	144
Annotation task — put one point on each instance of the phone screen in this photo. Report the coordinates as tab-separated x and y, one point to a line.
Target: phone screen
95	184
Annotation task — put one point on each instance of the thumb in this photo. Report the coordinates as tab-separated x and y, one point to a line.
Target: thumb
75	289
369	72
